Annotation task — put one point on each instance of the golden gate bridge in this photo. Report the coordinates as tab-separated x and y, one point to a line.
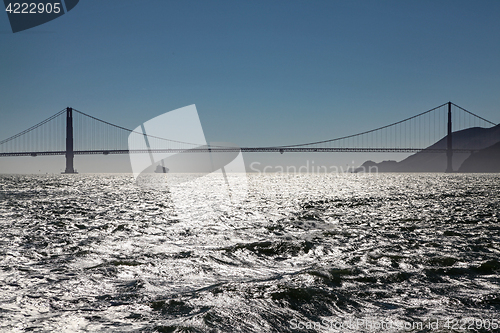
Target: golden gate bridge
71	132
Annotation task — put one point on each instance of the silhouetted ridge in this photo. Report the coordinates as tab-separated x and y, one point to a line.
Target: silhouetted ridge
475	138
485	160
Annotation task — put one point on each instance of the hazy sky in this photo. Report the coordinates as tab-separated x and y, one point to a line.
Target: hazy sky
260	72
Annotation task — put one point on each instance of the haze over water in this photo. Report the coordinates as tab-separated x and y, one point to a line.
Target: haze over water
99	253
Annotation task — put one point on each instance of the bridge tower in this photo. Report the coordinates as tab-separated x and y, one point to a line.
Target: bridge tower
69	142
449	146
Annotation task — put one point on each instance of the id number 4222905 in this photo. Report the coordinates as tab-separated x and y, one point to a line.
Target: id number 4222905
33	8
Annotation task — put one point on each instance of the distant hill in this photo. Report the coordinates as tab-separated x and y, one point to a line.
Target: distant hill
475	138
485	160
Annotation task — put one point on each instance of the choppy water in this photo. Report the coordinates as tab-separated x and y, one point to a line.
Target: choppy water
301	253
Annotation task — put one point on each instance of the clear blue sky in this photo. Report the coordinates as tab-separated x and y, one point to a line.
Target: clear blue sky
260	72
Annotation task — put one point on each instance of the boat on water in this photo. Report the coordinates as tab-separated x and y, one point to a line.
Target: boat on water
161	169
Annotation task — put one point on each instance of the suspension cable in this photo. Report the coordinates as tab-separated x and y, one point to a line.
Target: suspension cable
33	127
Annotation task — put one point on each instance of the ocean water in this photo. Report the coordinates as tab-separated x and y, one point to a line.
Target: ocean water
301	253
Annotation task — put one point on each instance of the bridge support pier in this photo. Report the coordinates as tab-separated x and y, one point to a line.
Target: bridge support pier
69	142
449	146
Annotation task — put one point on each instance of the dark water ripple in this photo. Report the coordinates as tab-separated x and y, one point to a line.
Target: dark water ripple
97	253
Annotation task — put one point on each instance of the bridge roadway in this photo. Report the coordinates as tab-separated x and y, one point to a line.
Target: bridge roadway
244	150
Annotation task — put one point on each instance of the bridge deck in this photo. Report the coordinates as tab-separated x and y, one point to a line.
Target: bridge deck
244	150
